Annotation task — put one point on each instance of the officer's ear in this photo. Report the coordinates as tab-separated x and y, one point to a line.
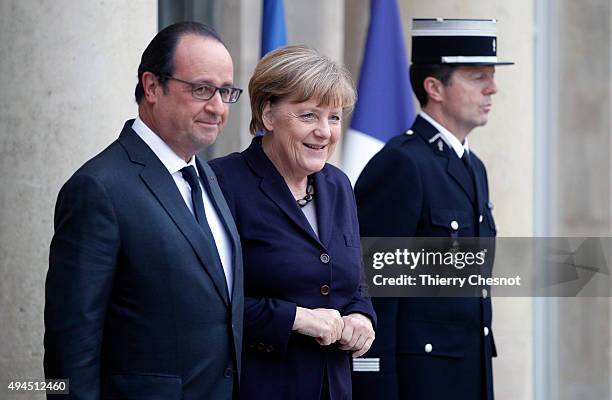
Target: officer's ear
434	89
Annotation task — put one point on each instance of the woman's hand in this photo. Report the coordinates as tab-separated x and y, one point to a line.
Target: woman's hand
324	324
357	334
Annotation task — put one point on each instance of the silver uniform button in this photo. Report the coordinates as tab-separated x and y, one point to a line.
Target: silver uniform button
484	293
480	218
486	331
454	225
409	132
324	258
428	348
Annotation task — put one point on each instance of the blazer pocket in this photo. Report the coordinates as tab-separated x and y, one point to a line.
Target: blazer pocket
433	339
352	240
142	386
452	220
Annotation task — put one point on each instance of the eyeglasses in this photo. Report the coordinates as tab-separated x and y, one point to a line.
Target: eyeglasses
204	91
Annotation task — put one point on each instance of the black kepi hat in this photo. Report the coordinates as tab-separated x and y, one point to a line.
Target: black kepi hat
455	41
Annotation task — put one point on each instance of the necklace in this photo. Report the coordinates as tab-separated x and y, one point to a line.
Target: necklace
309	194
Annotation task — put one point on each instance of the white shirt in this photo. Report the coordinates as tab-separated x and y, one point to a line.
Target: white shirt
174	164
310	212
450	139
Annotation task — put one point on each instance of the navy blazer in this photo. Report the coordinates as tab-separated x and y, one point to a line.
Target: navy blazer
287	265
416	186
137	304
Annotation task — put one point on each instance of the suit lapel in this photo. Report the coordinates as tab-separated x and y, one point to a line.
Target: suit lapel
161	184
325	193
209	179
274	187
454	165
460	174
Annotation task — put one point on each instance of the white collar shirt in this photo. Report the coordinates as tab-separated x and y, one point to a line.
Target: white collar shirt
174	164
450	139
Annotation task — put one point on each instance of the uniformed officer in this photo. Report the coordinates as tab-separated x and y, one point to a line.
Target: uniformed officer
427	182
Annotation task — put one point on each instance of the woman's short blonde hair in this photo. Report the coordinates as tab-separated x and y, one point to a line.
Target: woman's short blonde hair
298	73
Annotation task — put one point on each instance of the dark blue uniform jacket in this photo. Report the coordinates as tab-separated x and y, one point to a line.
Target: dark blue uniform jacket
418	187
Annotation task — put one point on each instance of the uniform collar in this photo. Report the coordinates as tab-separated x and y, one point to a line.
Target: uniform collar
450	139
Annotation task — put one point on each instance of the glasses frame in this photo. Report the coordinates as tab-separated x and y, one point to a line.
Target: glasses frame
196	85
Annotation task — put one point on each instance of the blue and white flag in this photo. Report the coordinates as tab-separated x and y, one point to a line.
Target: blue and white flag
273	28
385	106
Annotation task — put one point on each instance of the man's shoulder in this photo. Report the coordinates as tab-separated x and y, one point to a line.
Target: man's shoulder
404	147
110	168
105	161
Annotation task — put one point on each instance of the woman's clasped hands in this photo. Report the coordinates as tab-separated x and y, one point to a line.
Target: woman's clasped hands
353	332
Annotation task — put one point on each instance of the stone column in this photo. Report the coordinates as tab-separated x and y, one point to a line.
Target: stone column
67	72
582	176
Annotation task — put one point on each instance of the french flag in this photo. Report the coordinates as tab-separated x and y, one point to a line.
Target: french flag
273	28
385	106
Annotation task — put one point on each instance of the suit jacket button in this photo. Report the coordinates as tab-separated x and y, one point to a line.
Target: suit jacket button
228	373
409	132
428	348
324	258
484	293
486	331
454	225
480	219
325	290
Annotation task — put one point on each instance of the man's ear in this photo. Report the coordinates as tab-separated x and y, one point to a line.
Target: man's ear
151	86
267	118
434	89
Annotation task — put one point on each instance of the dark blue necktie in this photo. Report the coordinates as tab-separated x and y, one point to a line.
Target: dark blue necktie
190	175
467	161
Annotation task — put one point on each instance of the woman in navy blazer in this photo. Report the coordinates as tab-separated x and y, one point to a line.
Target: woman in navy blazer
305	314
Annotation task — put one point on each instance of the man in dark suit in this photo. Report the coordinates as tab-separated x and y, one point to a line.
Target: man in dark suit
144	291
428	183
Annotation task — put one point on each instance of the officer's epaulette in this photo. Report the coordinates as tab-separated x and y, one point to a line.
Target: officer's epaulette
409	134
406	136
